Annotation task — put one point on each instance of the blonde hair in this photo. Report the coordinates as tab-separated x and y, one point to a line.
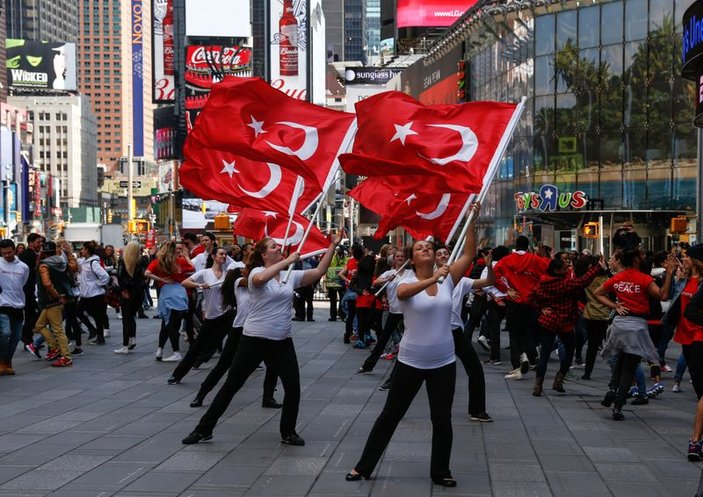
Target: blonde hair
166	257
131	255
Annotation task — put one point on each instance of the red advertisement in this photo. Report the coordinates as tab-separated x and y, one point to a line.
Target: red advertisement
431	13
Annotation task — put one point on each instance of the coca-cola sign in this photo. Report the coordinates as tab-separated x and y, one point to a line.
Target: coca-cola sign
203	57
162	51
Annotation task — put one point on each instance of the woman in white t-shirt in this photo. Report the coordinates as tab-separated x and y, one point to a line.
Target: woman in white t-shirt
426	356
267	336
217	318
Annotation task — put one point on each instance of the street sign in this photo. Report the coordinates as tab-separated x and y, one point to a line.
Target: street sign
135	184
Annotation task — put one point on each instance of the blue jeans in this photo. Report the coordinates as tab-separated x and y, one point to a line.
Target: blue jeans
10	334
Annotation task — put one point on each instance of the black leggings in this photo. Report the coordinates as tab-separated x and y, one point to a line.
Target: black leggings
225	362
622	376
96	308
405	383
595	331
171	331
130	307
392	324
278	354
472	365
496	314
520	322
693	354
73	327
211	333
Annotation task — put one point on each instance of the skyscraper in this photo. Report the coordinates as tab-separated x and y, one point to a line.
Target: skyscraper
373	27
42	20
115	72
355	30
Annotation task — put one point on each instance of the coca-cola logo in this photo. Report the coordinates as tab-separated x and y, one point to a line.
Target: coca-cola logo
202	56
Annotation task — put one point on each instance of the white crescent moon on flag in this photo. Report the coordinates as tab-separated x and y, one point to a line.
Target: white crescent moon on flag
292	240
441	207
469	145
273	182
309	146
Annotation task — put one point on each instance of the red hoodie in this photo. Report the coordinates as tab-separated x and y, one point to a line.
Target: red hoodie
521	271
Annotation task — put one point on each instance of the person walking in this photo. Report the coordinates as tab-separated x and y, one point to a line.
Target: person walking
131	280
30	257
92	282
427	355
14	274
335	290
267	336
595	319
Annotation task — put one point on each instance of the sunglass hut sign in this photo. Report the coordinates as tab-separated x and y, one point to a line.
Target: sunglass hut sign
549	198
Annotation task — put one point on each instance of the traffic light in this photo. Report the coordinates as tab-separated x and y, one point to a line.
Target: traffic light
591	230
679	225
222	222
132	226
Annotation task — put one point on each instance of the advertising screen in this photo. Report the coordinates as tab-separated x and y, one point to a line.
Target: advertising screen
430	13
41	66
289	46
218	18
162	51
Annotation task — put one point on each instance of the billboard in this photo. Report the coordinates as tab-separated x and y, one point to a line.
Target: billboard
218	18
430	13
207	65
164	132
138	77
162	51
40	65
288	45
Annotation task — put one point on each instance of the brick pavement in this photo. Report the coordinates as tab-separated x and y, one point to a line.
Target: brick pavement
110	426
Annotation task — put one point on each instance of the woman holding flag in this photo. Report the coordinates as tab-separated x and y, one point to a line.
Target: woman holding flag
267	335
426	355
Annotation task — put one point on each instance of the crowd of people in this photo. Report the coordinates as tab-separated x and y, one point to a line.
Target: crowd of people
416	306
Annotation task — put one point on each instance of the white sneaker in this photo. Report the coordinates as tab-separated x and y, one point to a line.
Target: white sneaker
132	343
515	374
483	342
676	388
122	350
176	357
159	354
524	363
106	333
118	316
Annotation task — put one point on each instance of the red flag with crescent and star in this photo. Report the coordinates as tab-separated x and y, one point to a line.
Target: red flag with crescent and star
451	146
258	224
229	178
249	118
421	214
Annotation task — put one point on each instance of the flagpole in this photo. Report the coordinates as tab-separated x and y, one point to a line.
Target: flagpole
396	271
491	172
346	144
292	208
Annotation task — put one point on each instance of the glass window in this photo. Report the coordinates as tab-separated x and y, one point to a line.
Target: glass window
544	75
544	35
635	79
588	26
611	23
566	70
636	15
658	11
566	29
679	9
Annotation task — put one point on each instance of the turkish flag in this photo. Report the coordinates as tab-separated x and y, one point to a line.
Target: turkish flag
451	145
257	224
421	214
214	175
249	118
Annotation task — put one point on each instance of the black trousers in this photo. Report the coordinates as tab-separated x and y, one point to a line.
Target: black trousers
130	307
96	308
335	295
31	314
595	333
302	303
276	354
171	331
479	306
547	339
520	321
622	375
496	314
694	358
405	383
211	333
225	362
392	324
466	353
73	327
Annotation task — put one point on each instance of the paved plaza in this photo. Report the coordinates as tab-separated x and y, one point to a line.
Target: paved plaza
110	426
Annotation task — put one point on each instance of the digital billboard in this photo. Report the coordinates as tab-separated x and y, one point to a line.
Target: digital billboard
288	47
41	65
430	13
162	46
218	18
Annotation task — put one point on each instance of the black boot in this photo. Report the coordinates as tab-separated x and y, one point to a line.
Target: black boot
271	403
198	401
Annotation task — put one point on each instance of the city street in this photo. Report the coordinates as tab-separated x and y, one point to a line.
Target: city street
111	426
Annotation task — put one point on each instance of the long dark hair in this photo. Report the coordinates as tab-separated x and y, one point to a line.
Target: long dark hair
229	300
257	257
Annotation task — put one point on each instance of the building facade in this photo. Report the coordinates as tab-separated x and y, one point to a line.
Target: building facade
355	31
107	72
42	20
64	145
607	128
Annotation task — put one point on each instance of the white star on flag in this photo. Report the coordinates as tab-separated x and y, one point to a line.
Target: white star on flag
257	126
410	198
228	168
270	214
548	194
402	132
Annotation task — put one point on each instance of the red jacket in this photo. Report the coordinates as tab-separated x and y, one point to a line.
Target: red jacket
520	271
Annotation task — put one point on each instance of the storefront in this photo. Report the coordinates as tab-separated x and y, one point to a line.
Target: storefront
608	123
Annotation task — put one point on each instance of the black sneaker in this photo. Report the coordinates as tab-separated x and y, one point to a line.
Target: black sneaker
608	399
196	437
77	351
618	415
386	386
293	439
483	417
173	381
363	370
640	400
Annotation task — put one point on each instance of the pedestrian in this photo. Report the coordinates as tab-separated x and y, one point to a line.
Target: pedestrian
92	282
267	336
131	280
595	319
31	257
427	355
348	304
335	289
14	274
496	308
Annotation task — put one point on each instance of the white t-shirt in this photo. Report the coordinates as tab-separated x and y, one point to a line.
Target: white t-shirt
241	293
270	306
427	342
200	261
392	290
464	286
212	297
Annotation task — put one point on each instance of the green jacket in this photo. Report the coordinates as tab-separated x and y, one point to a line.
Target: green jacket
336	267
